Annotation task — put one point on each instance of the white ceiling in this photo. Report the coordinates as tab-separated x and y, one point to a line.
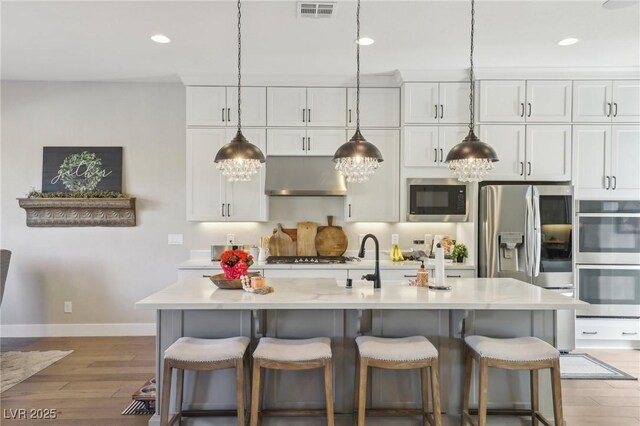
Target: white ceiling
109	41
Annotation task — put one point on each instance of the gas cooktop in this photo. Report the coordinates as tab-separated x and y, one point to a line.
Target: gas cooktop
307	260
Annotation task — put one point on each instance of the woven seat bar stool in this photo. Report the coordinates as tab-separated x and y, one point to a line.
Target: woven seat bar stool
404	353
520	353
292	354
189	353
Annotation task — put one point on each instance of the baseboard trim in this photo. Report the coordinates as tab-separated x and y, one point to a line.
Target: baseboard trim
76	330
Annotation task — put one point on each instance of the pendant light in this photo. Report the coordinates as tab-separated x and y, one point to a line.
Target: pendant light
239	159
471	159
357	159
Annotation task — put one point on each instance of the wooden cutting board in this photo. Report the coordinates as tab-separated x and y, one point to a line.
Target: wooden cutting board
331	240
281	244
306	239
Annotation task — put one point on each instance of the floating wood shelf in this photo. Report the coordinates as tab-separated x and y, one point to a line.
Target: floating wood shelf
66	212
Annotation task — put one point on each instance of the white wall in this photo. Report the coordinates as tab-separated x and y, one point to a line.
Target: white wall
104	271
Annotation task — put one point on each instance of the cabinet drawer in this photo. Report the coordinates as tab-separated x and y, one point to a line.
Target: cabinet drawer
460	273
338	274
407	274
608	329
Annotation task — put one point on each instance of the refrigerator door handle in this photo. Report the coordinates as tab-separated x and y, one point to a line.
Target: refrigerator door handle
528	234
537	233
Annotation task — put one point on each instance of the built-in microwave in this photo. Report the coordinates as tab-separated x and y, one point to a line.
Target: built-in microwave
431	200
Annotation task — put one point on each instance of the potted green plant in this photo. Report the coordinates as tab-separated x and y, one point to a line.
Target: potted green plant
459	253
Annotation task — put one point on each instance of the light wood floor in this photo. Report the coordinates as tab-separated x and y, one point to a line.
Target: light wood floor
94	384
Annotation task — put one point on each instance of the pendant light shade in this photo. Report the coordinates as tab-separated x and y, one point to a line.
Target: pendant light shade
471	159
239	159
357	159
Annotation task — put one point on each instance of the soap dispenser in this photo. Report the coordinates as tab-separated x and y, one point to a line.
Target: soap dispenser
422	276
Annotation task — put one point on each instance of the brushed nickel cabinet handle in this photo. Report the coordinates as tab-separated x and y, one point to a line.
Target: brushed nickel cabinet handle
303	143
624	333
349	209
228	114
521	109
529	114
441	155
349	115
615	182
228	210
309	115
206	276
222	114
590	332
615	109
222	209
436	116
406	276
435	155
308	143
522	168
529	165
608	182
608	109
304	114
454	276
441	111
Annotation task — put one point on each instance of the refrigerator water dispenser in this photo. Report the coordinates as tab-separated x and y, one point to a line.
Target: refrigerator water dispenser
509	243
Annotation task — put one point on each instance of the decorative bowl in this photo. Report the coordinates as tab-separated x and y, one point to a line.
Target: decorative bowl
228	284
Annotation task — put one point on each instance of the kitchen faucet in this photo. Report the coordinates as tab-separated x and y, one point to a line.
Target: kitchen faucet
375	277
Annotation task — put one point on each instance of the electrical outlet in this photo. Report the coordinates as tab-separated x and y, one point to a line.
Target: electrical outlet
360	238
231	239
395	239
68	307
175	239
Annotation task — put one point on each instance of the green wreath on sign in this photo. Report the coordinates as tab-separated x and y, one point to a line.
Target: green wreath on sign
81	172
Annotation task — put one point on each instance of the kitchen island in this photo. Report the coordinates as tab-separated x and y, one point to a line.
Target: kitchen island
303	308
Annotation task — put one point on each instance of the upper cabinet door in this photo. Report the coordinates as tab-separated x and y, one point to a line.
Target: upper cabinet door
421	105
626	101
549	101
286	142
326	106
205	184
592	160
420	146
254	106
508	140
502	101
379	107
625	152
286	106
592	101
448	137
321	142
378	200
246	201
454	103
206	106
548	153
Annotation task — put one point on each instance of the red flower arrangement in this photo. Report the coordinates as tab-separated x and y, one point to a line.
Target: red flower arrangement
235	263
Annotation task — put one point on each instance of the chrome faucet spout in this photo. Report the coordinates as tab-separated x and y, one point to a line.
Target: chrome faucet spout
375	277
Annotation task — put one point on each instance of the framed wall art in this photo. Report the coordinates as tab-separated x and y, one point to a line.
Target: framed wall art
81	169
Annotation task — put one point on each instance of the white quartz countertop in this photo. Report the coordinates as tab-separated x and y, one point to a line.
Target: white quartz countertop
322	293
364	264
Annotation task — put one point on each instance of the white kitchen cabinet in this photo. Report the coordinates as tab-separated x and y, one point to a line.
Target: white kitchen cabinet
218	106
301	107
210	197
427	103
548	153
605	161
603	101
379	107
590	329
502	101
296	142
548	101
428	146
508	140
532	101
529	152
408	274
454	103
378	200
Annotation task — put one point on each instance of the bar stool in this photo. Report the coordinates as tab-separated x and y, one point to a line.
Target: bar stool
189	353
398	354
288	354
520	353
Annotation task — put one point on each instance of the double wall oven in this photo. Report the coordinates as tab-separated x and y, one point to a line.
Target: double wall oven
608	258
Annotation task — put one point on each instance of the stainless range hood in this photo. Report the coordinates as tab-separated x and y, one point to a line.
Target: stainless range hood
289	176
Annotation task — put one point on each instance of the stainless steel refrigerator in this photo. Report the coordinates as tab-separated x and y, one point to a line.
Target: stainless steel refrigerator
526	233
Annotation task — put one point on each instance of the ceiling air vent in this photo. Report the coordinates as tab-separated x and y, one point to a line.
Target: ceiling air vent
316	10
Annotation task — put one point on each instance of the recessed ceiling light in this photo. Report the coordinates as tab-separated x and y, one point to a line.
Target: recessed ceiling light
365	41
160	38
568	41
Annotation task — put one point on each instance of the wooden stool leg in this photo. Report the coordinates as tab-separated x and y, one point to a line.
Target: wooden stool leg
362	392
482	392
255	393
535	406
328	391
179	391
435	393
557	393
240	391
424	379
356	385
467	387
166	394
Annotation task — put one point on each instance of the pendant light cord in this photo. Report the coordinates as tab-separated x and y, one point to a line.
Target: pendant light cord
471	74
239	65
358	67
